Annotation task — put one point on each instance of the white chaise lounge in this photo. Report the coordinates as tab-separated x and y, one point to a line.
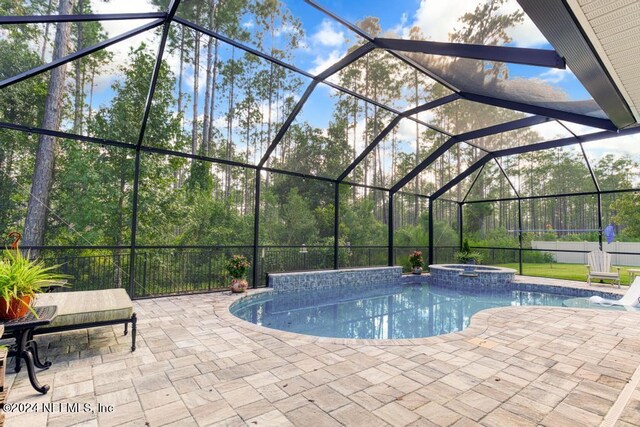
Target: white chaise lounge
630	299
600	268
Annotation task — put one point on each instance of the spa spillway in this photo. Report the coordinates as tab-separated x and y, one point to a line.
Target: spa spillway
463	276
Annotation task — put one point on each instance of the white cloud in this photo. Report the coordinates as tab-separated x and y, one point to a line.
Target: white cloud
401	27
328	35
122	6
620	146
428	116
120	51
322	62
110	72
555	75
579	129
437	19
550	130
284	29
525	34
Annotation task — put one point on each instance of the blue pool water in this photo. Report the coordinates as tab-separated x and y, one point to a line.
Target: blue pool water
390	311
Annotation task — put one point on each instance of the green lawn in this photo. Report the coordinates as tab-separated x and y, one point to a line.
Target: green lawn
560	271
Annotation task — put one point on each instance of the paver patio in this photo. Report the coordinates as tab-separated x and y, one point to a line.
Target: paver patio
196	364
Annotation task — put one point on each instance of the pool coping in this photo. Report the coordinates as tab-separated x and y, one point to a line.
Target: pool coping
474	333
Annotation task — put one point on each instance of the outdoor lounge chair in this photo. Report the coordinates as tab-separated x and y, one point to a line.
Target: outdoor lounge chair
630	299
600	268
88	309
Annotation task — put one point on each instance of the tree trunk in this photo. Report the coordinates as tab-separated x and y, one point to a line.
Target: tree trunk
91	86
366	131
230	114
35	222
79	89
45	39
355	139
270	89
117	269
207	84
196	73
212	107
181	69
416	187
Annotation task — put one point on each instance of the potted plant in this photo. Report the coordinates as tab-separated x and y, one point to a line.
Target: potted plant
467	256
20	280
237	267
416	262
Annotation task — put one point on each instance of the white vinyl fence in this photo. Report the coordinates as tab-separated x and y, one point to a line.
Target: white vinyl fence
581	258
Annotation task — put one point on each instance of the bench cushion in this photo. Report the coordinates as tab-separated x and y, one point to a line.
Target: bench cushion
80	307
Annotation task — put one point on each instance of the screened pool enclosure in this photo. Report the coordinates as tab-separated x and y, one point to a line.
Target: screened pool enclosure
144	143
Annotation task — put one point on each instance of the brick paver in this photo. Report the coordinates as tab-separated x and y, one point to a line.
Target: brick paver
197	364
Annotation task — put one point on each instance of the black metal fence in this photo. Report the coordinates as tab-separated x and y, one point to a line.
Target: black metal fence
180	270
161	271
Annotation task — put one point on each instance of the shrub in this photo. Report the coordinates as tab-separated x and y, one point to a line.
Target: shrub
416	260
237	266
466	254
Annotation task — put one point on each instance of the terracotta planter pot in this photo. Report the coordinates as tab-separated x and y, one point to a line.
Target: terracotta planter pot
16	308
238	286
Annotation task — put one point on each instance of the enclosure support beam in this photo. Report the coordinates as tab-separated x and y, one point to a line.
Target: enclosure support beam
599	220
520	236
355	29
470	170
390	230
586	160
527	149
513	55
346	61
173	7
595	122
513	187
460	225
136	179
392	124
598	190
431	230
287	123
134	225
369	148
551	196
336	225
93	17
78	54
240	46
473	184
425	163
256	230
474	134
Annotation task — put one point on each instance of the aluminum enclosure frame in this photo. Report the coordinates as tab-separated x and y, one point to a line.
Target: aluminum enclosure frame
548	58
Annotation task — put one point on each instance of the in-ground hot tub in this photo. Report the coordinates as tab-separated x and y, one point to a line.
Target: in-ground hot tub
464	276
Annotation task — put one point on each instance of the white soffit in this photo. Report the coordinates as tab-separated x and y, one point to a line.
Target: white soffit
613	28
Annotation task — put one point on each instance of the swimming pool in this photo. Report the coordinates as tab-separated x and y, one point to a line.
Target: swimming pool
385	311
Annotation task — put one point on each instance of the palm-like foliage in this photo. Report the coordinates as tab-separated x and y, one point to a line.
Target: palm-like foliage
21	276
